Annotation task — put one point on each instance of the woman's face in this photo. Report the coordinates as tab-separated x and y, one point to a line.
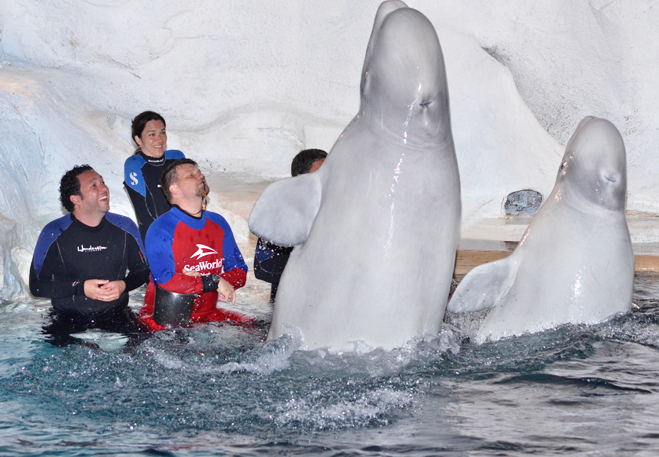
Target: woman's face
154	139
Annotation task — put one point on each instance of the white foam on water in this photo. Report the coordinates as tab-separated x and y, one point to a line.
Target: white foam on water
358	412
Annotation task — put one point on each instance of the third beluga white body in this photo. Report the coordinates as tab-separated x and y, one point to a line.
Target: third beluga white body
575	262
377	226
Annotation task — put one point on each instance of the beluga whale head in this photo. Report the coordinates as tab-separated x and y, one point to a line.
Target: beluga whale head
403	86
575	262
594	165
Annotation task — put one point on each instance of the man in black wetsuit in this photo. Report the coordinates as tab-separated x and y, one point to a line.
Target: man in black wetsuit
270	259
81	259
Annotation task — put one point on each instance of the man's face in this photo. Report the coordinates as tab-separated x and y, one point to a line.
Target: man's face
94	198
190	182
316	165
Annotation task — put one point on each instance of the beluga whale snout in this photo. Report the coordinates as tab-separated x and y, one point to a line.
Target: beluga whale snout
376	227
575	262
595	154
400	72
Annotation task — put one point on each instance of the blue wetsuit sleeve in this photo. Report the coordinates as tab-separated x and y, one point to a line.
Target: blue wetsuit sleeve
48	276
174	154
49	281
159	252
232	256
270	261
133	177
136	254
137	266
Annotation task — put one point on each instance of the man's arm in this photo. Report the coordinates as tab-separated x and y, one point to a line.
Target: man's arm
270	260
235	268
48	275
138	270
49	281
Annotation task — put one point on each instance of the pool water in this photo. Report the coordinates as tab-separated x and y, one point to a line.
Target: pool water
220	390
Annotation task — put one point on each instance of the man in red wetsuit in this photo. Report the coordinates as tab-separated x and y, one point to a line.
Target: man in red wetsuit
192	251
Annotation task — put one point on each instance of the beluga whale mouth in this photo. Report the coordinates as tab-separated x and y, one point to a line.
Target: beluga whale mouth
376	227
595	166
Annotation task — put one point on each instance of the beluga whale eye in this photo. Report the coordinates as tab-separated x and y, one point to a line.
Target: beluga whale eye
425	104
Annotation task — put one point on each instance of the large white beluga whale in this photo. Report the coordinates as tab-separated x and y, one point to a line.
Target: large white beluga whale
575	262
376	228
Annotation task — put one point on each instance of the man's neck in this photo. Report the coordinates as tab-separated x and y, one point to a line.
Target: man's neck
193	208
91	220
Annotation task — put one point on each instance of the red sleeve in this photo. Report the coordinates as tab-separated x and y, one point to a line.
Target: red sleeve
236	277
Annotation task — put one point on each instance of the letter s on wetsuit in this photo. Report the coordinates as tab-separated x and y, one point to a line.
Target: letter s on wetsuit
69	252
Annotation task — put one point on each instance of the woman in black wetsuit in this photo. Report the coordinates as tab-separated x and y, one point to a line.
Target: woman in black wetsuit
143	169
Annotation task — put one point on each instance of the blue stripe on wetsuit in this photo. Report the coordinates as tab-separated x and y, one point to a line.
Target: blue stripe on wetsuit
48	235
127	225
232	256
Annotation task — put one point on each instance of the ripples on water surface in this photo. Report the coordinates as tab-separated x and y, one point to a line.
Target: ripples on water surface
218	390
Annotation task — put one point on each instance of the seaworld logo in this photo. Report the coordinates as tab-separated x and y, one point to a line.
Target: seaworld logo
205	265
203	251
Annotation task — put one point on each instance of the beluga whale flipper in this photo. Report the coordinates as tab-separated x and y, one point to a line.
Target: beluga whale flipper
575	262
376	227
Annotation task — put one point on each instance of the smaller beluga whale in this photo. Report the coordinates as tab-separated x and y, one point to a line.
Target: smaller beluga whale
376	227
575	262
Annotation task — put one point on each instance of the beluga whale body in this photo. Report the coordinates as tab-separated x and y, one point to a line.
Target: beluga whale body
376	227
575	262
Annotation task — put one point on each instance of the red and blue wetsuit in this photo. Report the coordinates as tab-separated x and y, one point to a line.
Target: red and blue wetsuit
177	243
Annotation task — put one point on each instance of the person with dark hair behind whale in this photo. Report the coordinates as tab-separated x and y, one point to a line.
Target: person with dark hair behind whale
80	262
143	169
270	259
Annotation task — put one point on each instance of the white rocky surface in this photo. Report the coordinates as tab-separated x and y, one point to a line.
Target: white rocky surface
246	85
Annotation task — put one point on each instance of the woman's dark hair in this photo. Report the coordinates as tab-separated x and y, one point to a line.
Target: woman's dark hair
303	161
140	122
70	185
169	176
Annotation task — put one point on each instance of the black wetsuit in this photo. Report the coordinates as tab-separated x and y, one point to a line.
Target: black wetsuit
269	262
142	180
67	254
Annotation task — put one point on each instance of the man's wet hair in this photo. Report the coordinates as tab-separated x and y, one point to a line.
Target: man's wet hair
70	185
303	161
139	123
169	176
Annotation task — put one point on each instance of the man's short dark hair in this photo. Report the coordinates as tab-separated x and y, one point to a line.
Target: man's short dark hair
70	185
169	176
303	161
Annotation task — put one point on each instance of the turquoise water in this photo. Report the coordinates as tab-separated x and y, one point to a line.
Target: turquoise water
219	390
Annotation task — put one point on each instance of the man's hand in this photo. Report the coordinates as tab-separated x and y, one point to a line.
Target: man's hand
104	290
226	291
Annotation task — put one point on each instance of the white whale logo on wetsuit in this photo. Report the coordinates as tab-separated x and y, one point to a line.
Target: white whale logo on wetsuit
203	251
